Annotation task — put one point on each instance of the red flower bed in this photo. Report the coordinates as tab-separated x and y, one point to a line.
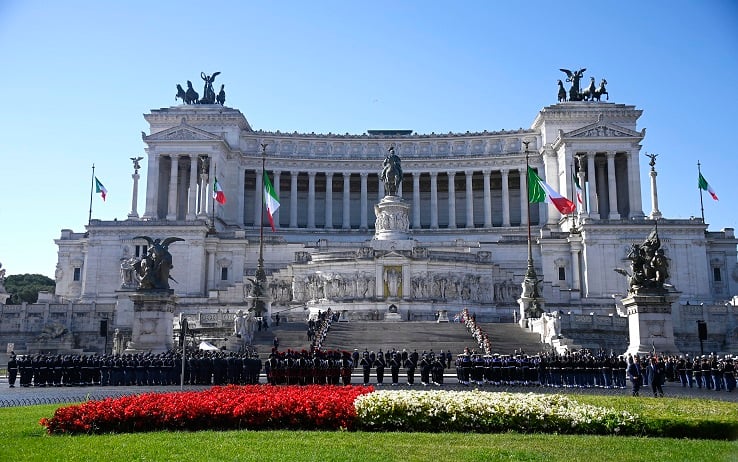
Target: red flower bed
253	407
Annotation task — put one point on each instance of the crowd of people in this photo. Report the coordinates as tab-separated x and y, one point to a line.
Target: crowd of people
200	368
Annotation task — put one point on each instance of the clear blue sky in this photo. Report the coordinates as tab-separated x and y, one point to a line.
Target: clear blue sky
78	76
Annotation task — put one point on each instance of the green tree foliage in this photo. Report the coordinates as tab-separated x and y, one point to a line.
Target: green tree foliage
25	287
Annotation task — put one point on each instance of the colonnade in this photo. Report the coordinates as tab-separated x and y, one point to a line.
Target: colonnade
329	199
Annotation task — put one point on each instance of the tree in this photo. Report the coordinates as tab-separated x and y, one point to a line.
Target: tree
25	287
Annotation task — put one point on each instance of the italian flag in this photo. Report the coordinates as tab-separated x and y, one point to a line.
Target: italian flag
577	188
218	193
702	183
270	200
540	191
100	189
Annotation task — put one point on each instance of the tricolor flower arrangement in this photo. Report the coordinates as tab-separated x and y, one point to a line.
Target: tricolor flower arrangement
319	407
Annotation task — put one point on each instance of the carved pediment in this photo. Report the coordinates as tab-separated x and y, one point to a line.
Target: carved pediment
182	132
602	130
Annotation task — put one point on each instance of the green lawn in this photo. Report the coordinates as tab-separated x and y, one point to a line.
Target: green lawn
22	438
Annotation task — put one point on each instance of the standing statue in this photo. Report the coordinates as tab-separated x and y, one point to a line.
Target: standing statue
152	270
574	77
208	96
391	172
220	99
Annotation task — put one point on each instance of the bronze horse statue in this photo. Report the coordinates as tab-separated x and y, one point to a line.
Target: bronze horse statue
562	92
601	90
191	96
391	172
588	94
181	94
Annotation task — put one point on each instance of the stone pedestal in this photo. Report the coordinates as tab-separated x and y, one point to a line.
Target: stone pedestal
650	323
528	306
153	315
392	221
393	314
442	316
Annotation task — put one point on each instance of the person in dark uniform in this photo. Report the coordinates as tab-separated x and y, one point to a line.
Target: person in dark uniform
366	366
379	364
410	370
12	369
394	364
634	375
656	376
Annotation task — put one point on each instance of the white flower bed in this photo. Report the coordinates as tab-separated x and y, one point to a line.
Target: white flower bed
458	411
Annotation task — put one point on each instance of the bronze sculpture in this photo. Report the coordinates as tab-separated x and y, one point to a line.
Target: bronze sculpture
574	77
208	96
152	270
391	172
649	266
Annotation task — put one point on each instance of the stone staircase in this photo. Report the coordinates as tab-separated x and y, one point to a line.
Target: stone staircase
420	336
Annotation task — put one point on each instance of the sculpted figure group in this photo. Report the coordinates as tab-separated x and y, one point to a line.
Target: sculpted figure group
649	266
591	93
190	96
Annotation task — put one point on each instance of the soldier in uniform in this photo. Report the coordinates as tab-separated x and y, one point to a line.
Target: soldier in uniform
12	369
394	364
366	366
379	364
634	375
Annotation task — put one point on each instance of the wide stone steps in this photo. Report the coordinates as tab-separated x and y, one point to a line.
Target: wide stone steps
426	336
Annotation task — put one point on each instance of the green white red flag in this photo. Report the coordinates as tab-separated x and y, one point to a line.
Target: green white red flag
218	193
577	188
704	185
540	191
270	200
100	189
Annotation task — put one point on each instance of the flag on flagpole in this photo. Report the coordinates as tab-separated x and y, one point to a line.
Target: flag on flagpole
540	191
577	188
703	184
218	193
270	200
100	189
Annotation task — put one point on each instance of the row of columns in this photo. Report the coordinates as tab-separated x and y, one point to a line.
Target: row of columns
416	201
602	183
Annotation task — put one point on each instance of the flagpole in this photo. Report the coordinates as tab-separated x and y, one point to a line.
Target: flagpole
531	278
702	206
260	276
92	187
212	201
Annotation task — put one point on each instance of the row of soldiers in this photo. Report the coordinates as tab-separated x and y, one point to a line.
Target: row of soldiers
200	368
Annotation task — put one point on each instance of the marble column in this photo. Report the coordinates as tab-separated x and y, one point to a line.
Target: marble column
434	200
416	200
152	184
134	199
204	179
311	200
635	206
451	200
277	190
380	189
293	199
487	200
346	201
173	177
258	188
192	193
328	200
576	284
612	187
364	201
592	180
523	196
240	193
469	199
601	180
505	198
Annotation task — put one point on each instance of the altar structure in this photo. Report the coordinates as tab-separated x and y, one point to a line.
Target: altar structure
451	234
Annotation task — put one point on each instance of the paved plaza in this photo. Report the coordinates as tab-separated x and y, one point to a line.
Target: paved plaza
19	396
